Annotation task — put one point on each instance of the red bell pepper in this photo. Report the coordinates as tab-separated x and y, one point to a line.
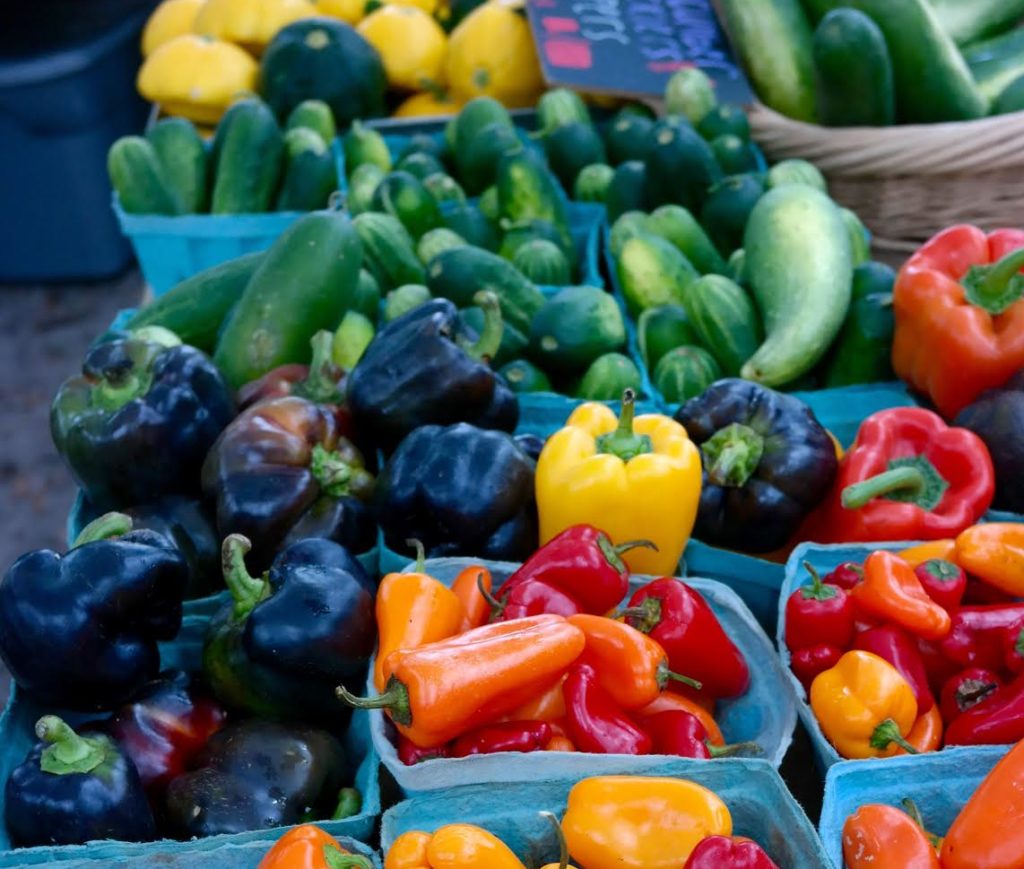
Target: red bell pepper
684	735
966	689
908	476
808	662
996	720
322	381
728	852
507	736
688	630
596	724
410	753
534	598
899	649
846	576
1013	647
944	581
818	614
976	636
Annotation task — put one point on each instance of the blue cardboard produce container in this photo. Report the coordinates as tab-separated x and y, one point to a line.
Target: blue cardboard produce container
758	801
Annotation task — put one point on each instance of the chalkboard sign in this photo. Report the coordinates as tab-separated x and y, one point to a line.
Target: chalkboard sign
632	47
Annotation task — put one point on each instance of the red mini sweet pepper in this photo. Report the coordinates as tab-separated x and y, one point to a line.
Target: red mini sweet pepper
595	723
729	852
818	613
898	648
684	735
506	736
944	581
965	690
846	576
908	476
410	753
1013	647
996	720
976	636
808	662
532	598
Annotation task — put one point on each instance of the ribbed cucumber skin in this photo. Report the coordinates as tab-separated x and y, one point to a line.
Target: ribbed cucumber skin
138	178
679	226
528	191
388	251
967	21
560	107
182	155
313	115
248	152
652	272
724	319
853	71
310	175
684	373
403	196
997	62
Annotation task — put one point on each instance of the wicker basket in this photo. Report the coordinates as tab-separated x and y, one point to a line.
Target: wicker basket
908	182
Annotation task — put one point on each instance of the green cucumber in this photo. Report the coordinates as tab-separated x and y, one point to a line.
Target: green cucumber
138	178
528	191
303	284
365	145
571	147
727	209
628	137
1011	99
734	155
871	279
478	163
574	327
472	119
797	172
444	188
662	329
969	20
608	377
469	221
800	265
628	190
313	115
310	175
680	165
248	155
725	119
388	251
685	373
489	204
403	196
194	309
404	299
677	225
513	342
863	351
367	297
736	268
543	262
518	234
437	241
523	376
592	183
558	108
853	71
627	226
420	164
362	184
860	238
351	338
651	272
182	155
996	62
725	321
424	143
690	93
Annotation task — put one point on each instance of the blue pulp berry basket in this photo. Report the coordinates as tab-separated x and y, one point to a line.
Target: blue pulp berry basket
766	714
940	784
758	801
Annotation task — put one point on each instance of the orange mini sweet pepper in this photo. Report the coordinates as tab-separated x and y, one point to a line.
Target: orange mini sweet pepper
549	706
891	591
309	847
884	837
470	587
926	734
994	553
408	851
943	550
455	846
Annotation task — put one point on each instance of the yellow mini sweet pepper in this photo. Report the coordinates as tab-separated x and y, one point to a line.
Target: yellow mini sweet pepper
864	706
455	846
635	822
634	478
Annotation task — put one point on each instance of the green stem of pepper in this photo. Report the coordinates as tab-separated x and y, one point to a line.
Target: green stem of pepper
106	526
350	801
486	346
817	590
732	454
736	749
563	846
246	590
887	733
394	699
624	443
67	752
664	675
321	384
995	287
336	859
421	554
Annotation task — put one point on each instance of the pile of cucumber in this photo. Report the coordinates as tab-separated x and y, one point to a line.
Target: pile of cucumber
251	166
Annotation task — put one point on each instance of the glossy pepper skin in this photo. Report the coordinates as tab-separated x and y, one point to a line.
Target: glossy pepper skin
684	735
767	464
996	720
894	645
959	318
683	624
994	553
670	701
926	734
80	631
425	368
464	846
818	614
309	847
408	851
884	837
139	420
461	490
997	417
892	591
264	654
808	662
944	582
1013	647
596	723
631	822
73	789
729	852
254	775
506	736
471	587
846	576
634	478
908	476
976	636
967	689
533	599
322	381
282	472
944	549
410	753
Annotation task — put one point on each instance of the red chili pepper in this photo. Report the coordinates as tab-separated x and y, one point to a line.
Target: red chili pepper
996	720
818	614
808	662
1013	647
410	753
976	636
729	852
684	734
944	581
896	646
846	576
596	724
966	689
688	630
980	593
534	598
507	736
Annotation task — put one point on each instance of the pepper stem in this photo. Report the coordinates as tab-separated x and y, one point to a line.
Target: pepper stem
563	846
158	335
421	555
817	590
635	544
646	617
732	454
106	526
350	801
66	751
906	480
115	390
736	749
489	340
686	680
246	590
337	859
887	733
395	700
321	384
497	607
910	807
624	443
995	287
331	471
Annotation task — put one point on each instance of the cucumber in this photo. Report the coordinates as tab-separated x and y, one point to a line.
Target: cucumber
194	309
860	238
996	62
662	329
852	71
489	204
685	373
388	252
872	279
736	268
437	241
403	196
424	143
474	117
364	145
574	327
728	206
1011	99
690	93
362	184
528	191
444	188
310	174
734	155
468	220
138	178
404	299
367	297
680	166
773	41
351	338
629	225
725	321
513	342
543	262
592	183
558	108
518	234
571	147
797	172
863	351
478	163
800	265
725	119
460	273
313	115
628	137
420	164
628	190
182	155
523	376
651	272
677	225
303	284
969	20
608	377
248	155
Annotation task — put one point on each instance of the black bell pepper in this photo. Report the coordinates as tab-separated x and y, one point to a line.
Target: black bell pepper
767	464
461	490
426	368
80	631
532	444
282	468
74	789
255	775
139	420
997	417
287	639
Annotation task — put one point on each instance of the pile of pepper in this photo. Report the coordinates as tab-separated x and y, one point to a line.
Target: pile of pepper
547	661
912	651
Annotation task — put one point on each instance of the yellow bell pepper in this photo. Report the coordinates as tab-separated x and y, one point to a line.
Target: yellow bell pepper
634	822
456	846
250	23
633	478
864	706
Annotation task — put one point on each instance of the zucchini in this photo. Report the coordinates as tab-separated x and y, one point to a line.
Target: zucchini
528	191
628	137
725	119
725	321
444	188
138	178
365	145
574	327
685	373
558	108
853	71
651	272
690	93
478	163
629	225
969	20
313	115
662	329
523	376
996	62
677	225
680	166
543	262
388	252
248	154
797	172
366	298
437	241
571	147
728	206
403	196
310	175
513	342
182	155
592	183
734	155
404	299
628	190
362	184
608	377
468	220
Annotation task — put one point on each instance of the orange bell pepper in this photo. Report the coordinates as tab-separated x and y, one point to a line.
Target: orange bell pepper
989	831
944	550
926	734
891	591
309	847
549	706
670	701
413	609
441	690
994	553
408	851
469	588
884	837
